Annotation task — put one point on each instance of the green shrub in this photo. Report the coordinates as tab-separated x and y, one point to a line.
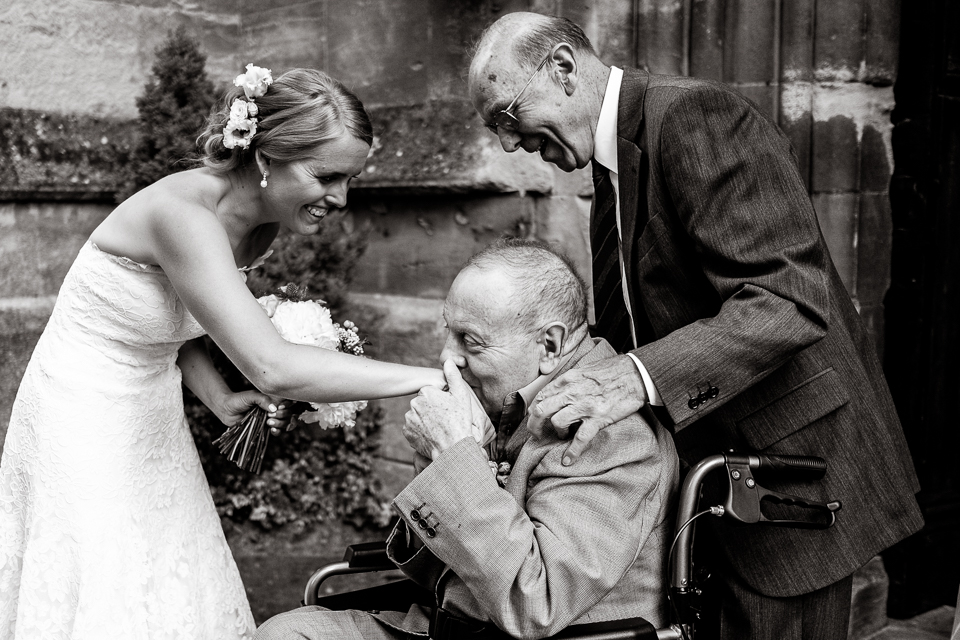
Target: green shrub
308	475
173	110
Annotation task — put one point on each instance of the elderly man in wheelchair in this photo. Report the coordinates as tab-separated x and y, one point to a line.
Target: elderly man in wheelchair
500	538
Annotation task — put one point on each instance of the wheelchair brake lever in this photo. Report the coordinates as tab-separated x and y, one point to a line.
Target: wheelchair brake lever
745	495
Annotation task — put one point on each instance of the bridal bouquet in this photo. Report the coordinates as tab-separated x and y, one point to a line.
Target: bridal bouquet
300	321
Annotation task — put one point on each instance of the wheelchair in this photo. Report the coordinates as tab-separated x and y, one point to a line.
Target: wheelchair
741	504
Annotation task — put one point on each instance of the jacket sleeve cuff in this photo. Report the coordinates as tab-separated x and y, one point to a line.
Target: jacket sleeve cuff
420	565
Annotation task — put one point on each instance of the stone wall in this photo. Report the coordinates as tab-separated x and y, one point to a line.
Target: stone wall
437	187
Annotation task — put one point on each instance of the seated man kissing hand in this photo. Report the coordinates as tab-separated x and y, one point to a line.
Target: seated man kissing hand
502	535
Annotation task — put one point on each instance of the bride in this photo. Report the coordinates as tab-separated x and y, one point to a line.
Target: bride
107	527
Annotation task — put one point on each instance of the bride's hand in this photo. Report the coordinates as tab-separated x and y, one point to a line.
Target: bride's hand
434	378
236	405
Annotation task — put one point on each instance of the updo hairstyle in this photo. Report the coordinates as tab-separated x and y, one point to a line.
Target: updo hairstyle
301	110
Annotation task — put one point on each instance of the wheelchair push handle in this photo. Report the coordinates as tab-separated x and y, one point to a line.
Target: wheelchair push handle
798	468
779	467
742	504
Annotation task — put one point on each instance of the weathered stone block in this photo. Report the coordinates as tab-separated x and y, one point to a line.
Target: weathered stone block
707	35
564	223
796	121
39	242
609	25
418	244
660	36
838	41
838	220
286	35
381	51
874	243
749	41
882	41
797	24
876	156
835	154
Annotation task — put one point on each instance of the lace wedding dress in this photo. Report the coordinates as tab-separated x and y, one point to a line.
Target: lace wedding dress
107	527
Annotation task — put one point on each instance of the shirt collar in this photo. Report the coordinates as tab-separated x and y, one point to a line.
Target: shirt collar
516	404
605	139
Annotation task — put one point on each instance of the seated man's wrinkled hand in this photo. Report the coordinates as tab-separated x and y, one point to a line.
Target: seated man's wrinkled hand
439	419
593	397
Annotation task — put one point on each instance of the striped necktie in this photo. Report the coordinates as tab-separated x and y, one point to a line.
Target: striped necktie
613	321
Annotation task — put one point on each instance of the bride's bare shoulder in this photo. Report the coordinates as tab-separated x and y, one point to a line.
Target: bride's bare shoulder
181	201
193	189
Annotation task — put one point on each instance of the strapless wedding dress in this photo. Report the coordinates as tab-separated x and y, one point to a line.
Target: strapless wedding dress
107	527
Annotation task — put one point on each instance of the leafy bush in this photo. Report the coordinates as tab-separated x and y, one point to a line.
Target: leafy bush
173	110
308	475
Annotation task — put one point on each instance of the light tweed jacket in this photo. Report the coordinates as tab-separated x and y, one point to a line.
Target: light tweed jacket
558	545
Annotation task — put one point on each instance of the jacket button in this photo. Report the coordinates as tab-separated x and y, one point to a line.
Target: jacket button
694	403
414	515
422	524
713	392
431	532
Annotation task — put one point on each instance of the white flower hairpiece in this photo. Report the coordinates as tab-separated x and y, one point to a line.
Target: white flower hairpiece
242	124
254	82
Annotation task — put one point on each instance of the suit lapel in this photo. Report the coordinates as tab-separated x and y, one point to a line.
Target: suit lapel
632	175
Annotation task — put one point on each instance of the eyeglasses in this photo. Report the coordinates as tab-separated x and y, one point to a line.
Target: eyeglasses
504	119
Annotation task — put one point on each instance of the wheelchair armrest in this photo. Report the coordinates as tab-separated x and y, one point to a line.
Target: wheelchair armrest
627	629
367	555
358	558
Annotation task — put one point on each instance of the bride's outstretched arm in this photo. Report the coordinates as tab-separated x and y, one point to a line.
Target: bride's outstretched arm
193	249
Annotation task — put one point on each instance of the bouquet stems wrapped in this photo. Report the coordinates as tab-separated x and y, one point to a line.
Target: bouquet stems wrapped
246	442
300	321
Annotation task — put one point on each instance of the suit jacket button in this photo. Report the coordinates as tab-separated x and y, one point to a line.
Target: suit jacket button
431	532
694	403
713	392
414	515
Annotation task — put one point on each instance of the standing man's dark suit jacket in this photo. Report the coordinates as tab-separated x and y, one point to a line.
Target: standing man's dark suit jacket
725	258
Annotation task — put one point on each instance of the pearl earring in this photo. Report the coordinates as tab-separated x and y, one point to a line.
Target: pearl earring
263	183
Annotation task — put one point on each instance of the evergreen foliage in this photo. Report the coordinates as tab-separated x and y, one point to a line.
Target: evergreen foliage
309	475
173	109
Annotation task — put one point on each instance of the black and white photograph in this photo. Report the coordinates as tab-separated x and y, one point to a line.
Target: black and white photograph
479	319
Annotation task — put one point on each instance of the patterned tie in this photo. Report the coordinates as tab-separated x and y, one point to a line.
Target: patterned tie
514	410
613	321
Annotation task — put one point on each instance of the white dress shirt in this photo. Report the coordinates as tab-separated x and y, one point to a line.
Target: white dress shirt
605	153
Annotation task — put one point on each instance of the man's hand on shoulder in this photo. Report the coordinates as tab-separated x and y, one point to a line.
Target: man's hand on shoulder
594	396
439	419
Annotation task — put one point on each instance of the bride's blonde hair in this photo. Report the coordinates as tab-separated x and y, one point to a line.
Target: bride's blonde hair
300	111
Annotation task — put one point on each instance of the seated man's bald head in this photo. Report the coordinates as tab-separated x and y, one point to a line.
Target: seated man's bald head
546	284
513	313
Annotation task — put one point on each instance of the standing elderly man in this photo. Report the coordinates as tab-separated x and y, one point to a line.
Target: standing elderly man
509	538
711	275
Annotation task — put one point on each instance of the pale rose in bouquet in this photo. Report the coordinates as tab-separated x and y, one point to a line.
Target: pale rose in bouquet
300	321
